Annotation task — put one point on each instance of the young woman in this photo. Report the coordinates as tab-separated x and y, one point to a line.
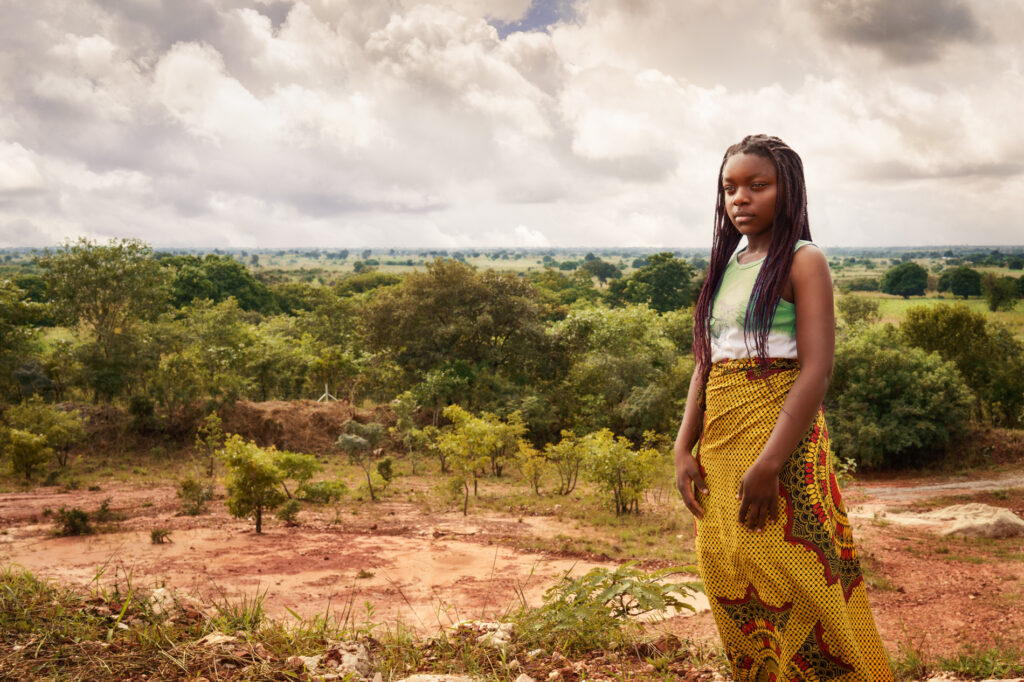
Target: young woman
774	543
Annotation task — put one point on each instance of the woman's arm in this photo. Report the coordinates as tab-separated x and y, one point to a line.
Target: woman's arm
687	471
815	343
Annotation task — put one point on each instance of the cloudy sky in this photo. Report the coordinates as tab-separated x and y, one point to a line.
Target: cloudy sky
454	123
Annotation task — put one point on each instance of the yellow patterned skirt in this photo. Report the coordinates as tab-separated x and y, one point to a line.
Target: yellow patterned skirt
789	602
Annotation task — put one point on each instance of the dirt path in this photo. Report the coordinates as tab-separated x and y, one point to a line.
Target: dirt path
929	593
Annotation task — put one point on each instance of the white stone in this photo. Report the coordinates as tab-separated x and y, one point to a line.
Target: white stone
978	520
524	678
161	601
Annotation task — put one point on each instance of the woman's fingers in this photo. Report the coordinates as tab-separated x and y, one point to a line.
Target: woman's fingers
684	483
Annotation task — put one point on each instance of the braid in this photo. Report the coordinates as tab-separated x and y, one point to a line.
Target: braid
789	225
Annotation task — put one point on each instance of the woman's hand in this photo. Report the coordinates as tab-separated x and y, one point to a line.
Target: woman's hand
688	478
758	495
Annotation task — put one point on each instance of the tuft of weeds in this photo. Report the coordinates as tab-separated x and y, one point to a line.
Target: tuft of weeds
159	536
1000	661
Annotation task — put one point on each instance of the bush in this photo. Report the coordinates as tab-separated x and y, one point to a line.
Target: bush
288	512
159	536
73	521
988	357
194	495
253	480
617	469
893	405
597	610
854	309
61	429
321	492
25	451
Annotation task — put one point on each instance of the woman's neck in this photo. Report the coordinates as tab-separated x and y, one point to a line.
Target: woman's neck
757	247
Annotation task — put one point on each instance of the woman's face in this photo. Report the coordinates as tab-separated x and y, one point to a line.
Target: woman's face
750	184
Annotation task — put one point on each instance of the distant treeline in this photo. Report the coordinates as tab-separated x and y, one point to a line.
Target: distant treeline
173	336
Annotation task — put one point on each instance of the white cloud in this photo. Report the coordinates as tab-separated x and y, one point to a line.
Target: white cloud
412	122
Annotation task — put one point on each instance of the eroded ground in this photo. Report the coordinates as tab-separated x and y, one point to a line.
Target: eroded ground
931	593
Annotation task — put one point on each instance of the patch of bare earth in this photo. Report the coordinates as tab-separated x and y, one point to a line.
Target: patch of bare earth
930	593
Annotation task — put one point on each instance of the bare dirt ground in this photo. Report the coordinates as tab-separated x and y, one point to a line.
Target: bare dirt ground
392	562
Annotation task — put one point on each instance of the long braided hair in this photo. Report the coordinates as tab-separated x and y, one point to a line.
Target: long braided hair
789	225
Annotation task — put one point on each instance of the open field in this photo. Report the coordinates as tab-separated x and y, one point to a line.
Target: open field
414	559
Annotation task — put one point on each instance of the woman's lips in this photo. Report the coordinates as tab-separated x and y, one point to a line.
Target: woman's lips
743	217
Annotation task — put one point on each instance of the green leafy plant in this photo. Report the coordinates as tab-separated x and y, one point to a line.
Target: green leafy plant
159	536
194	495
321	492
288	512
598	609
253	480
73	521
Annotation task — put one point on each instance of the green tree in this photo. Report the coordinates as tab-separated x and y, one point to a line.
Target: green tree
59	428
296	466
1000	292
906	280
893	405
601	270
217	278
961	281
106	290
253	480
17	337
664	283
361	442
618	469
988	357
566	455
24	451
854	309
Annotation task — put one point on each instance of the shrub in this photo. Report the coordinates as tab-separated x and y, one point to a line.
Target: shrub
159	536
73	521
596	610
253	480
61	429
854	309
194	495
987	355
25	451
321	492
288	512
617	469
893	405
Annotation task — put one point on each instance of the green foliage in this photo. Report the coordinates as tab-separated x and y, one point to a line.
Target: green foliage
596	610
386	469
988	357
360	443
532	465
24	451
906	280
1000	292
107	290
288	512
600	269
209	439
217	278
60	428
854	309
961	281
194	495
73	521
617	469
664	283
473	443
626	371
893	405
17	336
253	479
566	455
296	466
321	492
159	536
859	284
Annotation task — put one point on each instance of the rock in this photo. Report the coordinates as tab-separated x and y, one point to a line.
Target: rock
978	520
161	601
217	639
524	678
530	655
348	658
437	678
555	674
310	663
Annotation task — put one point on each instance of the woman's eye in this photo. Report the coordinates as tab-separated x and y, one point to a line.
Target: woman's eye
729	189
759	185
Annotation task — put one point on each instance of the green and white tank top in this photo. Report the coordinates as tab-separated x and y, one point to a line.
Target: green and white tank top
730	310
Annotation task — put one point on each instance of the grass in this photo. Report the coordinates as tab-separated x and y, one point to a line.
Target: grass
1000	661
50	631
